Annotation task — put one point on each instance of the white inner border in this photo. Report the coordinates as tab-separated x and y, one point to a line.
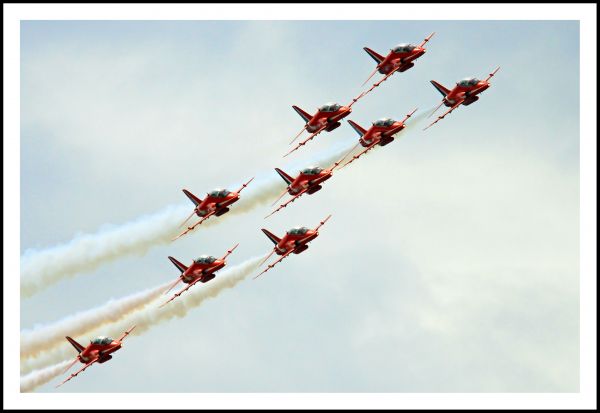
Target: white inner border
586	14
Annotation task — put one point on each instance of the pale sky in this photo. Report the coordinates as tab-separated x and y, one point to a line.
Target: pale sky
451	262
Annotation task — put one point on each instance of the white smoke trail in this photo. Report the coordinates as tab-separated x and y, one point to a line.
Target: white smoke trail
152	315
84	253
38	377
39	269
47	337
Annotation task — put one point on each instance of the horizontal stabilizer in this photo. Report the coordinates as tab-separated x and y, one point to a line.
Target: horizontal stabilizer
274	239
302	113
75	344
376	56
359	129
288	179
192	197
179	265
444	91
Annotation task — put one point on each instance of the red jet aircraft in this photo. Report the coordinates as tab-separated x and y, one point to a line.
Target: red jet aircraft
217	203
327	119
380	133
99	350
464	93
309	181
201	270
399	59
294	241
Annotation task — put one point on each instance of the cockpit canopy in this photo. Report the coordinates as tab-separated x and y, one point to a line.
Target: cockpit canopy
219	193
298	231
311	170
469	81
404	48
205	259
102	340
384	122
330	107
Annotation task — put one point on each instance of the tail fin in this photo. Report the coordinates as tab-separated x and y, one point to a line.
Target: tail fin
75	344
192	197
359	129
274	239
179	265
288	179
444	91
302	113
376	56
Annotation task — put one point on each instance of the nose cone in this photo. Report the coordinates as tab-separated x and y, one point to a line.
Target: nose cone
418	52
481	86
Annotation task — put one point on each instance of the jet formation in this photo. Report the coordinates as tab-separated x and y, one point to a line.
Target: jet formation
326	118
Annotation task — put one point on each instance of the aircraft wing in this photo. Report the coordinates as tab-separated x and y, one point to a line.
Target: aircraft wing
323	222
292	199
371	75
188	218
275	263
174	284
426	39
125	334
204	218
355	157
492	74
365	93
79	371
229	251
299	133
285	191
436	109
449	111
337	163
181	292
305	141
409	115
244	185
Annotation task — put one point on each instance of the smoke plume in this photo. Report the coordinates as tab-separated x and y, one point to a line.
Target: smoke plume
47	337
38	377
151	315
86	252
